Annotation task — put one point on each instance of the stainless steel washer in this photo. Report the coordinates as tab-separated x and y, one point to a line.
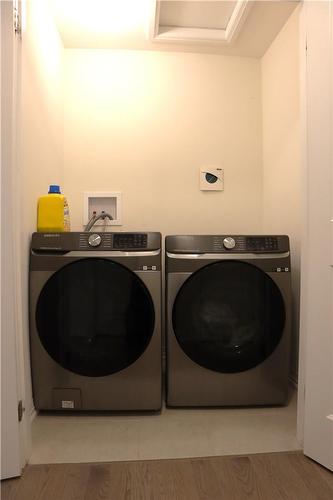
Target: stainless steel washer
228	320
95	321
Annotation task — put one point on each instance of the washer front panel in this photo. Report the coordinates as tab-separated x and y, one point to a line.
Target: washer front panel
94	317
229	316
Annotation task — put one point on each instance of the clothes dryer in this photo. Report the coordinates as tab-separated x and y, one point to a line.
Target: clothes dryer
95	321
228	320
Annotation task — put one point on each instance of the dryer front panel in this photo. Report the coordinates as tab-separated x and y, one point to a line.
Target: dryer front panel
95	317
228	316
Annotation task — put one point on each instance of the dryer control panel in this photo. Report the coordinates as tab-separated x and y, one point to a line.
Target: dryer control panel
227	244
261	243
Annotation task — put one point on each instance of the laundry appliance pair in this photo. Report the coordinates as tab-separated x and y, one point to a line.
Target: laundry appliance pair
95	320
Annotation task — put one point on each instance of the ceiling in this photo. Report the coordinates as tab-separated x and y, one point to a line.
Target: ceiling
196	14
130	24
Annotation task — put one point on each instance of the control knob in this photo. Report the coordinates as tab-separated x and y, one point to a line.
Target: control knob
229	243
94	240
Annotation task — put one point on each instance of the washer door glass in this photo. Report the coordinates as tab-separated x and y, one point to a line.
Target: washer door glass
95	317
229	316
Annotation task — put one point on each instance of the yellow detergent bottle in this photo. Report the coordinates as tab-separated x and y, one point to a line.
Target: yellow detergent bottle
53	212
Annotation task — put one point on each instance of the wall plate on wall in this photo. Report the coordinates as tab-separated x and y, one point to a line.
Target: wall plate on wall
211	179
109	201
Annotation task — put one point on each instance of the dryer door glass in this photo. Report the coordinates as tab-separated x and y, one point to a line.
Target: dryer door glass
229	316
95	317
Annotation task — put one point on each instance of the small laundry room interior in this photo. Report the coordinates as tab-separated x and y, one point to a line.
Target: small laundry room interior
139	107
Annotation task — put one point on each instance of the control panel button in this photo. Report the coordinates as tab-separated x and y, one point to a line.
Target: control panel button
229	243
94	240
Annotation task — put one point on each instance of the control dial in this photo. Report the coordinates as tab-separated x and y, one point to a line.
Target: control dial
94	240
229	243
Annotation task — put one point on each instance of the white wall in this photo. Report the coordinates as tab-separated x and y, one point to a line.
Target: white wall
281	151
40	159
144	122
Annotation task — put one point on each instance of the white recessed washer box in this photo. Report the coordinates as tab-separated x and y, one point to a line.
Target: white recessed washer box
109	201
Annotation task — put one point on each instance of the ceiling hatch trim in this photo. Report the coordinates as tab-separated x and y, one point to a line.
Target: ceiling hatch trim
180	34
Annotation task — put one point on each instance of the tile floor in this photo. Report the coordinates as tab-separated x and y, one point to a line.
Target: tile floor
174	433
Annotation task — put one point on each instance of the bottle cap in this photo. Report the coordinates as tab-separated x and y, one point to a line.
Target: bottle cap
54	189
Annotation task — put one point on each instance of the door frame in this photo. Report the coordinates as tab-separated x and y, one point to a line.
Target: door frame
15	433
10	432
315	398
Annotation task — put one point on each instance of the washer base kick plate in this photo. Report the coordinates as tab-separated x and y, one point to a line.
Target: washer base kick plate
95	331
228	320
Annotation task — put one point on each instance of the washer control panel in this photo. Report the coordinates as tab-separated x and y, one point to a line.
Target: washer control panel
115	241
129	240
95	241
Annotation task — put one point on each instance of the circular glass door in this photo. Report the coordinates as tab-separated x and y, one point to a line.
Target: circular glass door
95	317
229	316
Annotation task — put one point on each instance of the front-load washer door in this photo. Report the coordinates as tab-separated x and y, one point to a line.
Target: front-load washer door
228	316
95	317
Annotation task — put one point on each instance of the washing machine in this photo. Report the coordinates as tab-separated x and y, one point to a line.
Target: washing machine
95	321
228	320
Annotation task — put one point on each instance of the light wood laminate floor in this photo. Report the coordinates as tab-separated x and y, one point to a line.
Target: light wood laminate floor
274	476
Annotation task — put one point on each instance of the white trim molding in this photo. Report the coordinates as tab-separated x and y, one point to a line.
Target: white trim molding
181	34
316	369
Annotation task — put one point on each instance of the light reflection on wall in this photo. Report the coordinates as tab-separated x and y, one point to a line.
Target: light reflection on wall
41	42
102	16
